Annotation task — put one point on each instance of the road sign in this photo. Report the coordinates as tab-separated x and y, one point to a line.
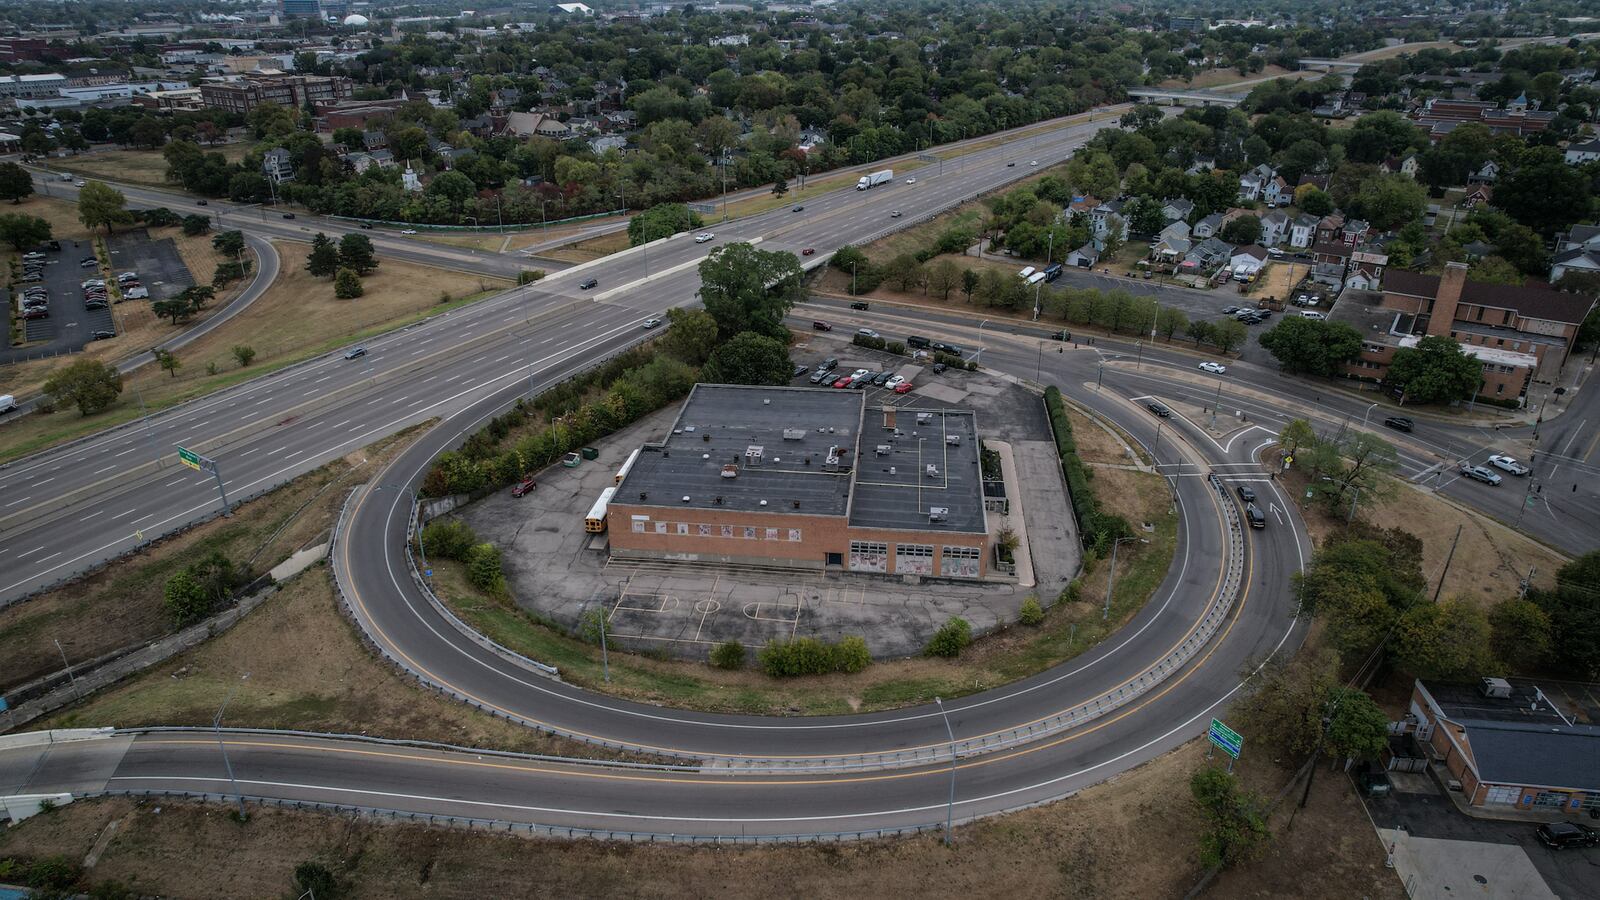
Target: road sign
189	458
1225	738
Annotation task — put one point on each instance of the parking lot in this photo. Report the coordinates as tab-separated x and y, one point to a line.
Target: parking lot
160	267
69	326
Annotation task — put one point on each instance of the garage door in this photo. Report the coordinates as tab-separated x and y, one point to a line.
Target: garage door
1502	795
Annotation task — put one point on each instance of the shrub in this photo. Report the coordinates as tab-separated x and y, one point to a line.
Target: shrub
951	638
528	276
728	655
53	873
850	654
448	539
1071	592
896	347
483	568
1031	613
347	285
871	343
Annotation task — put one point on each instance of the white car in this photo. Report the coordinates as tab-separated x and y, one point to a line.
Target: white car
866	332
1507	464
651	323
1033	162
1214	368
1312	315
911	180
703	236
408	231
1026	271
79	183
894	382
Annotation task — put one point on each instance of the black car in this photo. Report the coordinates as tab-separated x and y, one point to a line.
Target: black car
938	368
366	226
288	215
1062	335
797	208
588	283
799	370
880	378
355	353
859	304
102	335
1158	409
1561	835
1246	494
201	203
1253	513
831	363
1400	423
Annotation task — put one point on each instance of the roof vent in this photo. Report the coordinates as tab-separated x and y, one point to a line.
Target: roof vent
938	513
717	501
643	496
932	470
952	439
794	434
730	471
686	498
763	503
705	438
766	402
797	504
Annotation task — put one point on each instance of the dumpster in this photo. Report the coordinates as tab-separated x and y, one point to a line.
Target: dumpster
591	453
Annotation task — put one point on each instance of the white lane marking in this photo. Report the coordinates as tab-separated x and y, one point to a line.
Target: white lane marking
30	552
20	500
176	481
279	450
44	559
43	481
126	452
309	393
125	515
345	422
322	379
502	358
294	454
105	470
250	451
92	515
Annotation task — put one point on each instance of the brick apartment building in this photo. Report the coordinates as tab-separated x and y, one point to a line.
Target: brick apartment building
807	478
1439	116
293	91
1518	332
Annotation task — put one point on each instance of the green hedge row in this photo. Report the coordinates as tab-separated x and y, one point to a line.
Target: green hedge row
809	656
1099	528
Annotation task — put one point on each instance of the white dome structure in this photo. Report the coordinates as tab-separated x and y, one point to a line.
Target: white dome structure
355	20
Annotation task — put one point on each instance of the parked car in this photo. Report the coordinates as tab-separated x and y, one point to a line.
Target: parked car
355	353
894	381
1027	272
1158	409
818	376
903	387
88	261
820	325
1312	315
880	379
842	382
799	370
524	487
830	363
1562	835
1230	310
1507	464
588	283
1214	368
1479	473
938	368
102	335
1400	423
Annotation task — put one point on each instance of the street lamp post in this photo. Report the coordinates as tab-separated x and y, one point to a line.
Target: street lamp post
979	354
1215	403
1367	413
1111	577
216	725
950	808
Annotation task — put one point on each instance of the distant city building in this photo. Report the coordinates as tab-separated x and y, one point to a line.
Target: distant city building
293	91
19	49
302	9
49	85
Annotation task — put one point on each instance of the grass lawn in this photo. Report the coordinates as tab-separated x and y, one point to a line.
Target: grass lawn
591	249
1211	78
495	242
146	167
295	319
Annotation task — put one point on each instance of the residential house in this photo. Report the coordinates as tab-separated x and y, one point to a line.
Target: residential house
1274	228
360	162
1170	249
1478	195
1177	210
1084	257
1208	226
1330	262
1330	228
600	144
1246	261
1250	186
1320	182
1407	166
1578	154
1303	231
1488	172
1355	231
1207	255
1365	271
278	165
1577	251
374	140
1277	192
1106	215
1508	745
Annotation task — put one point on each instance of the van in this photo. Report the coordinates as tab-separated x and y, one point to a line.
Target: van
1026	271
1035	278
1253	513
917	342
1052	272
7	403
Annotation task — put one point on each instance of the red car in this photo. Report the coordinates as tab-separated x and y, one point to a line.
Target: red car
844	382
903	387
808	251
525	486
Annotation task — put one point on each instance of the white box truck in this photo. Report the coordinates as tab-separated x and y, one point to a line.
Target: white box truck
7	403
875	179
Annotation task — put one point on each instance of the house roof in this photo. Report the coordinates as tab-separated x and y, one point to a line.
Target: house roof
1253	250
1528	300
1332	248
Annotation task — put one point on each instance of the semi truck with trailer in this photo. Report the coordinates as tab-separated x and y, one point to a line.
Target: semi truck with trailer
875	179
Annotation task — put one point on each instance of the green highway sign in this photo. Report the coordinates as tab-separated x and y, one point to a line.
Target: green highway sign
189	458
1226	738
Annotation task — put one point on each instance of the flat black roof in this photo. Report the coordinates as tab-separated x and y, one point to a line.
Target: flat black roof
895	488
778	439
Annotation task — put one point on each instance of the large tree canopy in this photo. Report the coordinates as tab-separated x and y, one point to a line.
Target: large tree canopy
746	289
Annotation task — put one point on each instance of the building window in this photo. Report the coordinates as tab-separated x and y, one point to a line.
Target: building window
1499	389
683	527
727	531
913	559
960	562
749	532
638	524
794	535
869	556
772	534
661	528
705	530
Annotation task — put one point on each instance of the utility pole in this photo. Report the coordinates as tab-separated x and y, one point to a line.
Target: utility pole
1447	559
216	725
1215	403
950	808
74	679
1111	578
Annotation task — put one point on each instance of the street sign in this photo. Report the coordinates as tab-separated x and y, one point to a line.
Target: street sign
189	458
1225	738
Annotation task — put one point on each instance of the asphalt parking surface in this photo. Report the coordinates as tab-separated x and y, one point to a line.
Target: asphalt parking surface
69	325
1568	873
160	267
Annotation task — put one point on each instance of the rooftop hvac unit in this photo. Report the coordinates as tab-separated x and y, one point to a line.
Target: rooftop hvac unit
885	449
932	470
952	439
730	471
753	454
1496	687
689	428
924	418
794	434
831	462
938	513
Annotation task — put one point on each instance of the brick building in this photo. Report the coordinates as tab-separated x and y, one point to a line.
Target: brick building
1509	745
293	91
1439	116
807	478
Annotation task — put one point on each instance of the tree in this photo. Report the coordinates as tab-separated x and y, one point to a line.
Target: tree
323	260
1446	640
748	357
245	354
951	638
176	308
1520	633
1228	334
185	599
347	285
166	359
100	204
969	283
728	655
229	242
1169	321
198	295
1313	200
905	271
780	187
484	568
313	879
1296	433
23	231
1235	828
195	225
15	182
1436	370
90	384
746	289
1310	347
1389	201
1199	330
1243	230
944	276
355	252
1496	270
691	335
1358	728
1573	606
660	221
1543	192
